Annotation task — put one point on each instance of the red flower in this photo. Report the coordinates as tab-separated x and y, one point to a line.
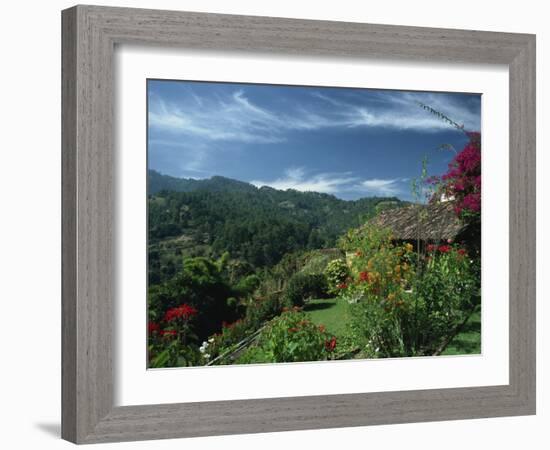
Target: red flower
461	252
330	345
168	333
364	276
153	327
342	286
322	328
184	311
444	248
358	253
431	247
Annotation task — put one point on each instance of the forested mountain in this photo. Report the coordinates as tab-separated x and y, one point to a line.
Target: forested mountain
257	225
158	182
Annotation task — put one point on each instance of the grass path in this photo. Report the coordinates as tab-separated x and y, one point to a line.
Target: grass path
468	341
331	312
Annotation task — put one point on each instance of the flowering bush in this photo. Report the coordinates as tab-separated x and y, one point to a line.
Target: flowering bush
378	268
463	179
291	337
380	274
336	273
168	343
401	305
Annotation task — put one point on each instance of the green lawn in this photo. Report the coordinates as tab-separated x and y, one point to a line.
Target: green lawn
332	313
468	341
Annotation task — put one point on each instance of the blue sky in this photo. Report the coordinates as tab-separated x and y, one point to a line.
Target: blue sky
351	143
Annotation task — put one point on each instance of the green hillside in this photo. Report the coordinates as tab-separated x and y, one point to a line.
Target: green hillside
258	225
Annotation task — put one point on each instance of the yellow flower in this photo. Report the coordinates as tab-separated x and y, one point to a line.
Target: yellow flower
409	247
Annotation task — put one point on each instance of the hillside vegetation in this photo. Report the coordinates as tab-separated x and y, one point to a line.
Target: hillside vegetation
256	225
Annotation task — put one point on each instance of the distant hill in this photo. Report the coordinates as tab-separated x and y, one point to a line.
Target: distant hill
258	225
159	182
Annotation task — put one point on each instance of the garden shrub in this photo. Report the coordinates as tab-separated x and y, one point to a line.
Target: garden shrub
169	339
291	337
201	285
444	295
254	355
403	304
302	286
336	273
263	308
316	261
381	272
259	309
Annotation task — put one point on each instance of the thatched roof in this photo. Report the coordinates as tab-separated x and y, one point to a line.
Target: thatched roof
431	222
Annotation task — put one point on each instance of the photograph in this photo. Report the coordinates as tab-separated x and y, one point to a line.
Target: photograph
291	224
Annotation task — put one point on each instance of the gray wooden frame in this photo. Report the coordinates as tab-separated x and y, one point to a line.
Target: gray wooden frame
89	36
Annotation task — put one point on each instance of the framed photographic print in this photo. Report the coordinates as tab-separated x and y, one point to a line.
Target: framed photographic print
285	216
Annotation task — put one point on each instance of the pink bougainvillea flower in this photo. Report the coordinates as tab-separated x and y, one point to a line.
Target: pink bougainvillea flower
463	178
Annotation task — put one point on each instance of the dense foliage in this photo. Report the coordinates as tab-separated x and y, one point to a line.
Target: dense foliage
303	286
404	303
259	226
236	271
291	337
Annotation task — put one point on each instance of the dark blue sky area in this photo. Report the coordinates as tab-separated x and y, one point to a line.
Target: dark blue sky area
347	142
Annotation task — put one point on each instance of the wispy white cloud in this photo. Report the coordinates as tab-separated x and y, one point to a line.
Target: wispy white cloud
295	178
401	111
233	120
382	187
335	183
234	117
